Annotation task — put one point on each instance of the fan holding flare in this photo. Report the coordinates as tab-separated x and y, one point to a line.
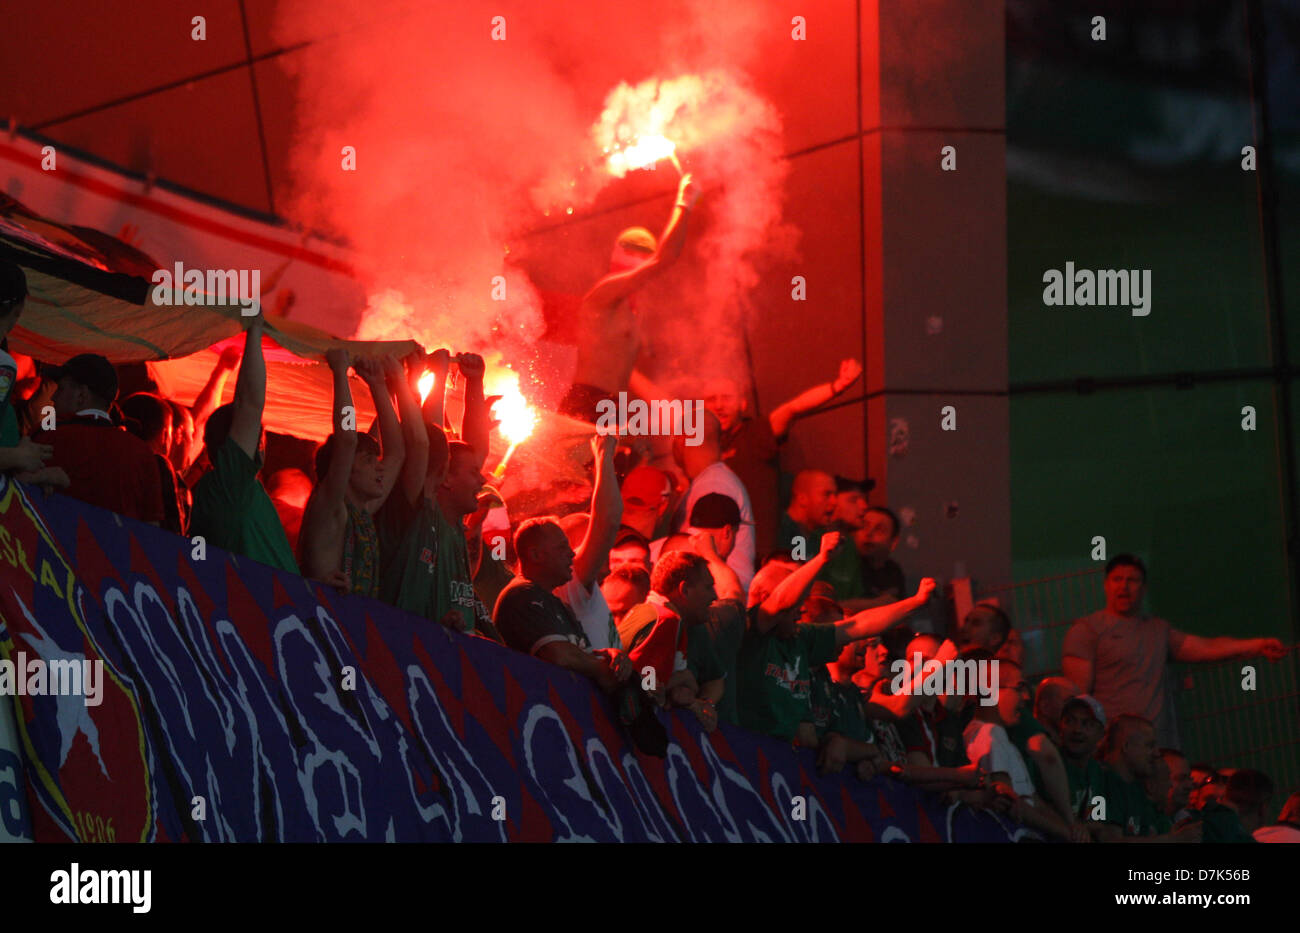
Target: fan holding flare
609	328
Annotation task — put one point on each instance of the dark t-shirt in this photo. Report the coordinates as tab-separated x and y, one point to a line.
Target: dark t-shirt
1026	728
789	531
408	550
453	587
1085	783
775	677
108	466
233	511
919	734
837	707
1221	824
712	650
876	581
844	570
1127	805
751	451
950	728
529	618
9	434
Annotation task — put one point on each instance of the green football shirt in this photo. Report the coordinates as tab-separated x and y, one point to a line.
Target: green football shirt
711	653
774	677
1085	784
1127	805
233	511
408	552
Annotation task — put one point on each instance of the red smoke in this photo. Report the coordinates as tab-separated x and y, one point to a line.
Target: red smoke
462	143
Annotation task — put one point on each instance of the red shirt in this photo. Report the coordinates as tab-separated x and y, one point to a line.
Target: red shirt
108	466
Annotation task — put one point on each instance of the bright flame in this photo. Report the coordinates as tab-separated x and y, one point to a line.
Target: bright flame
516	416
643	152
424	385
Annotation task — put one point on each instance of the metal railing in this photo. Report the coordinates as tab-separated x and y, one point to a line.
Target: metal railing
1220	720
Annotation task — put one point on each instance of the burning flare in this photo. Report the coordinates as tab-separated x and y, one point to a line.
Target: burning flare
644	152
516	416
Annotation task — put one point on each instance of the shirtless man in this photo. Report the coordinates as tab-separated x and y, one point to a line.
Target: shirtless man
338	541
609	335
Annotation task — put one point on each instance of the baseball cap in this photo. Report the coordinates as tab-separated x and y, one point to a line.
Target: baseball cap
628	536
92	371
645	487
1091	703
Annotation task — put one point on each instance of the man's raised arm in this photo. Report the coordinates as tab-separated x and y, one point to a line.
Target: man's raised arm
614	288
439	361
791	591
250	392
332	486
406	385
807	400
476	422
606	513
378	374
871	622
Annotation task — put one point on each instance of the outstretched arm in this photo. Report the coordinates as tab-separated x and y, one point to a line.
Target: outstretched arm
250	392
1196	649
809	399
791	591
606	513
871	622
885	705
614	288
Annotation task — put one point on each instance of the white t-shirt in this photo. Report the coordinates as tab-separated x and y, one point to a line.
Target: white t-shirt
718	477
989	747
592	613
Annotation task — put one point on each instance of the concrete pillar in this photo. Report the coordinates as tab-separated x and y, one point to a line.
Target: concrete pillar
934	286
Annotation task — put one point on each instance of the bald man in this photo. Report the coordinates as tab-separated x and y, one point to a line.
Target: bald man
810	513
609	328
1129	754
708	474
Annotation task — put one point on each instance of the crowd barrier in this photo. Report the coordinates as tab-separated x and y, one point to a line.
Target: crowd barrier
241	703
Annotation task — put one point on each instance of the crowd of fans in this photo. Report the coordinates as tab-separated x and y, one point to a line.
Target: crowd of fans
685	588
